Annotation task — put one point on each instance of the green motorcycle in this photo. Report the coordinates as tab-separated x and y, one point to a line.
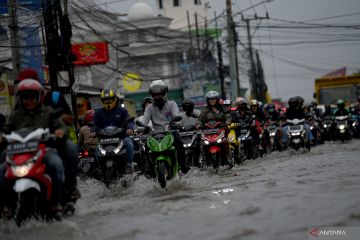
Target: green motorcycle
163	154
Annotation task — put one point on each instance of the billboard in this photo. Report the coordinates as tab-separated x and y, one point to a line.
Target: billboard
34	5
90	53
31	52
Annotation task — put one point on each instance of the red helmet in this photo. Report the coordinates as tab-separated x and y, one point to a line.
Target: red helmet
89	115
27	73
29	88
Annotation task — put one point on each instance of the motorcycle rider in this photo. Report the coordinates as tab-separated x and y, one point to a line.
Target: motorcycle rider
295	110
190	115
261	118
328	112
214	112
161	112
272	114
244	114
32	113
69	153
85	136
145	103
112	114
341	110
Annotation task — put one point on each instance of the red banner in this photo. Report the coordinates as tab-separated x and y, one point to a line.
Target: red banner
337	73
90	53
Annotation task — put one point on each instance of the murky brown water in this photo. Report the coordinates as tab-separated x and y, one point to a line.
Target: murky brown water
277	197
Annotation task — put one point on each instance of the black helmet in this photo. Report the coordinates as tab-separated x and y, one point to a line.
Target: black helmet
270	107
145	101
292	102
299	100
188	105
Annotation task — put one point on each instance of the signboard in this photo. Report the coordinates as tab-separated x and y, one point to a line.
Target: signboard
34	5
30	52
198	78
131	82
90	53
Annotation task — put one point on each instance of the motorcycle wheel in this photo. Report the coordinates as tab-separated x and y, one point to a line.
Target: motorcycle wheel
27	206
108	176
163	173
215	159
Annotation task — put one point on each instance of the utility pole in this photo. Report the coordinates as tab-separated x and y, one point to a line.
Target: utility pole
189	27
66	34
220	61
256	89
14	37
197	36
232	41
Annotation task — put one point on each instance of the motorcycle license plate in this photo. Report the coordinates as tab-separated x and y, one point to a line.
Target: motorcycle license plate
243	131
296	140
16	148
87	160
109	140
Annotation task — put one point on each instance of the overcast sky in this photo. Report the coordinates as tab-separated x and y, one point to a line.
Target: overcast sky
290	65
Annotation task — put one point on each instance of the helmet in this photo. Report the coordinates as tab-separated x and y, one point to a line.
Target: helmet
89	115
241	103
108	98
145	101
299	100
29	88
27	73
340	103
158	86
188	105
292	102
270	107
254	102
212	94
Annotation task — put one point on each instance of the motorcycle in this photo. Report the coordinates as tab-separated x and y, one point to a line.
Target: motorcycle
355	125
274	135
248	149
162	153
343	128
326	132
296	133
234	143
26	172
190	139
215	144
87	162
111	153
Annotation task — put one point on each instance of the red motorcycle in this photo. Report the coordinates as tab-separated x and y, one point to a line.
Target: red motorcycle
215	143
32	187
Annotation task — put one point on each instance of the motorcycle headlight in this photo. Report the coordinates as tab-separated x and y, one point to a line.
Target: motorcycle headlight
325	126
272	134
311	128
341	127
219	140
102	151
117	150
23	170
206	142
295	134
354	124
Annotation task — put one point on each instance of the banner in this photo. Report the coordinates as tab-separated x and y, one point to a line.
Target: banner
90	53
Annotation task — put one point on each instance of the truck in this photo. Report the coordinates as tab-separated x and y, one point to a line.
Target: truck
330	89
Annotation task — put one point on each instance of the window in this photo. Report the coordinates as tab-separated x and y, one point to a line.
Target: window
197	2
161	4
177	3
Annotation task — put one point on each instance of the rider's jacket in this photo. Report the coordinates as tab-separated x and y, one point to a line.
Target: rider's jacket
41	117
274	116
189	120
260	115
292	113
341	112
207	115
160	117
115	117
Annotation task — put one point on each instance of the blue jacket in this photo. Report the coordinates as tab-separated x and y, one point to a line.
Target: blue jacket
114	117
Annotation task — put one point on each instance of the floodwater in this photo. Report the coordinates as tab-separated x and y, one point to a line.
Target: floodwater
277	197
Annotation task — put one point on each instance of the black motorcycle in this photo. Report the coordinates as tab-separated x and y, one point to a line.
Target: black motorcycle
191	140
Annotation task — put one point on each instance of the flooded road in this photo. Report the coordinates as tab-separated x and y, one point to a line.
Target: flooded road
277	197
